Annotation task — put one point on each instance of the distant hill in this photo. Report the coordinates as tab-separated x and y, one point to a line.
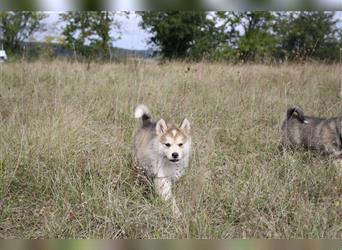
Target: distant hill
135	53
37	49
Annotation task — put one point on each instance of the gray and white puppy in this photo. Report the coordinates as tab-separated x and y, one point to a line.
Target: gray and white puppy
315	133
162	151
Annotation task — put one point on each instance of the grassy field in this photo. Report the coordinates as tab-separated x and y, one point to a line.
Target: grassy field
66	148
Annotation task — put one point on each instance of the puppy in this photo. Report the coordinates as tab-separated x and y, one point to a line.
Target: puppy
321	134
162	152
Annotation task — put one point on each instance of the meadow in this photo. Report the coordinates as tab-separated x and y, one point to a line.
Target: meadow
66	151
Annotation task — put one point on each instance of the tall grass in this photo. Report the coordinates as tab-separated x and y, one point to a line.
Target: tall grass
66	144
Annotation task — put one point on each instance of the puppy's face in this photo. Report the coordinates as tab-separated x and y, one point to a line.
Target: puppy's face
174	141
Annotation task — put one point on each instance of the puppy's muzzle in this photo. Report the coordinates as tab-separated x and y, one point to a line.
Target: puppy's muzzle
175	156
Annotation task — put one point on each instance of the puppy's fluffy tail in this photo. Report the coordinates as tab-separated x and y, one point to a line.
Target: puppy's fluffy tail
141	111
297	113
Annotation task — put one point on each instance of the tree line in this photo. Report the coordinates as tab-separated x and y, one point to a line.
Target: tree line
253	36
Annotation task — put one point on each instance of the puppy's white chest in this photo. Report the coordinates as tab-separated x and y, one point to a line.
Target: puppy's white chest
173	171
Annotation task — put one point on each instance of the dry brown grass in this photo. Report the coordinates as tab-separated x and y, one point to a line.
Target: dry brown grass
65	151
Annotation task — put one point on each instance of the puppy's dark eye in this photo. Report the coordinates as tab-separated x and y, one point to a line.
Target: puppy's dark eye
167	145
180	144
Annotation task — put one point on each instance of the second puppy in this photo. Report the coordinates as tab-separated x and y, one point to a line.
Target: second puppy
316	133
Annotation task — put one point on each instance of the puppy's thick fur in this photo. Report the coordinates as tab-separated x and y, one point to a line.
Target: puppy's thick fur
162	152
321	134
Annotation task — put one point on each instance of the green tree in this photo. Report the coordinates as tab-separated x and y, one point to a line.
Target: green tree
89	32
77	31
47	49
257	41
308	35
247	36
102	23
180	34
227	35
16	27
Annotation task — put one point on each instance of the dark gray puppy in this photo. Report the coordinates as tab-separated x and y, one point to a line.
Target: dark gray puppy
322	134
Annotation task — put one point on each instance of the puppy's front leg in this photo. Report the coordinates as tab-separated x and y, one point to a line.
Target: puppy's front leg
163	187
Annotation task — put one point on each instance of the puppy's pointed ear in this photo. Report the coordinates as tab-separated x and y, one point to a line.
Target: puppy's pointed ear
161	127
185	126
